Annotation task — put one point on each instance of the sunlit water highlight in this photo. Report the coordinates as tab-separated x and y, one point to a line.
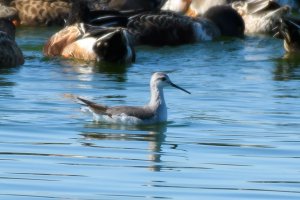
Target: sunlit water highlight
236	137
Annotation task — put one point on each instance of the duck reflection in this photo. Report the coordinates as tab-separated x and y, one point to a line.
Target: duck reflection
154	135
287	68
5	83
116	71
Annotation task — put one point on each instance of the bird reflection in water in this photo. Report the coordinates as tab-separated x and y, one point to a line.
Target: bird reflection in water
287	67
154	135
118	71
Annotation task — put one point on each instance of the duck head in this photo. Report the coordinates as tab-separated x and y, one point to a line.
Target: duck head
261	16
115	46
227	20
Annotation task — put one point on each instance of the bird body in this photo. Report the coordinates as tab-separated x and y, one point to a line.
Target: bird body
56	44
153	112
81	49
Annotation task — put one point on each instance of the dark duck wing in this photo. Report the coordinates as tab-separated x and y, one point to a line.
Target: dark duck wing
10	54
167	28
126	4
133	111
289	30
155	28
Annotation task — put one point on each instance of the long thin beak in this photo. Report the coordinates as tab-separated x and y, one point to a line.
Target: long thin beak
180	88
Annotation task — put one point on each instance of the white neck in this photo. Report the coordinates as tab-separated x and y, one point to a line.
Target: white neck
157	103
157	97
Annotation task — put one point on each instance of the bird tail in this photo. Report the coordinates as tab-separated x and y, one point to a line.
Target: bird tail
97	108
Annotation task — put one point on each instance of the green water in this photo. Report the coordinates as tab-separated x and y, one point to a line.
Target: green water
236	137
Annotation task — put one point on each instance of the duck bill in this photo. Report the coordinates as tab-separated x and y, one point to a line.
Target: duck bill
180	88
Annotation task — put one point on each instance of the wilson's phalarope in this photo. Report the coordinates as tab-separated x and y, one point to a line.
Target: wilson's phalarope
154	112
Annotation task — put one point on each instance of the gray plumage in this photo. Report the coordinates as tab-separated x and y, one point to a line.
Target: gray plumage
153	112
133	111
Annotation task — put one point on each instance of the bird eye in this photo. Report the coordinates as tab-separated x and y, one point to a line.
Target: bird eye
163	78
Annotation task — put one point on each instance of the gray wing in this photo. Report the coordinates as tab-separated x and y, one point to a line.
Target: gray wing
97	108
133	111
257	6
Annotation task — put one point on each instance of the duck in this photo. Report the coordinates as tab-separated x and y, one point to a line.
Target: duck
83	41
261	16
289	31
168	28
10	53
161	28
41	12
152	113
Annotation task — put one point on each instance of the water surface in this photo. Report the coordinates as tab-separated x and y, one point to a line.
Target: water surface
236	137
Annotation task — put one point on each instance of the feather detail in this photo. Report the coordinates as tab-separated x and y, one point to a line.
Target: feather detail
97	108
56	44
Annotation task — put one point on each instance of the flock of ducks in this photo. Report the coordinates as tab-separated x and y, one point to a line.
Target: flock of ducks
109	30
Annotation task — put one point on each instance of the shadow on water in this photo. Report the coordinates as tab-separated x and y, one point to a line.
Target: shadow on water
287	68
154	135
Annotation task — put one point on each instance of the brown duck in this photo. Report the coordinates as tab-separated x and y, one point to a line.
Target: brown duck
261	16
41	12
